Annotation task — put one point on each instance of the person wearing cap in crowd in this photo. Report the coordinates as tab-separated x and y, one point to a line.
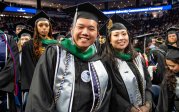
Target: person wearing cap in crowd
24	36
172	37
8	70
18	28
155	59
70	77
33	49
57	36
169	94
130	78
100	42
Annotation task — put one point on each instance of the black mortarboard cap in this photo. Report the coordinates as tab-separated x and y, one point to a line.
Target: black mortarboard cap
56	35
39	15
172	53
118	19
63	33
2	6
103	29
19	24
172	30
25	31
115	22
148	35
88	11
145	38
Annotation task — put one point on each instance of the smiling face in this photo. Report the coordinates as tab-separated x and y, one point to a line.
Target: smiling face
119	39
43	28
174	67
84	33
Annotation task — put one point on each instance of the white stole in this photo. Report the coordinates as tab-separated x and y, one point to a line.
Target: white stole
130	81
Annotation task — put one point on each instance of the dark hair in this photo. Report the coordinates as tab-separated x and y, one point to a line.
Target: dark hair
37	43
109	50
170	78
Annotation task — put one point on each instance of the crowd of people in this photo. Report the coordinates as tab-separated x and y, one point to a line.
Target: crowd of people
146	22
89	68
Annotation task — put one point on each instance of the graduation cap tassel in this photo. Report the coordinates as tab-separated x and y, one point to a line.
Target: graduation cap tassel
75	18
144	45
110	24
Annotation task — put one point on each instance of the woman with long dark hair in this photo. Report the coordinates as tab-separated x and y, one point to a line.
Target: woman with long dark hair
33	49
131	83
170	85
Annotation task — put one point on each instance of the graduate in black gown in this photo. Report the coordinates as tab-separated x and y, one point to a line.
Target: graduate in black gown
8	70
33	49
172	38
24	36
131	82
169	95
70	77
18	28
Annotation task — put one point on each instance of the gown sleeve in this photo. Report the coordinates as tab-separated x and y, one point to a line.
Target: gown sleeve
166	99
11	66
148	91
106	101
41	97
118	101
28	65
160	59
162	105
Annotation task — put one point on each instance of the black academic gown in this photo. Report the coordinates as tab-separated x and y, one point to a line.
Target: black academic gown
158	57
41	95
28	65
120	101
7	75
166	101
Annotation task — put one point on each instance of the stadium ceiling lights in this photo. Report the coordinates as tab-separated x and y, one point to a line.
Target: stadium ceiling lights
135	10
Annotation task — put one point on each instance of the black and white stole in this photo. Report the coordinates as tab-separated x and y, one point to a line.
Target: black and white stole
64	82
130	81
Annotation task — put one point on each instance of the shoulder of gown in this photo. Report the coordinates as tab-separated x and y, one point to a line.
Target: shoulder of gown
9	71
41	96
